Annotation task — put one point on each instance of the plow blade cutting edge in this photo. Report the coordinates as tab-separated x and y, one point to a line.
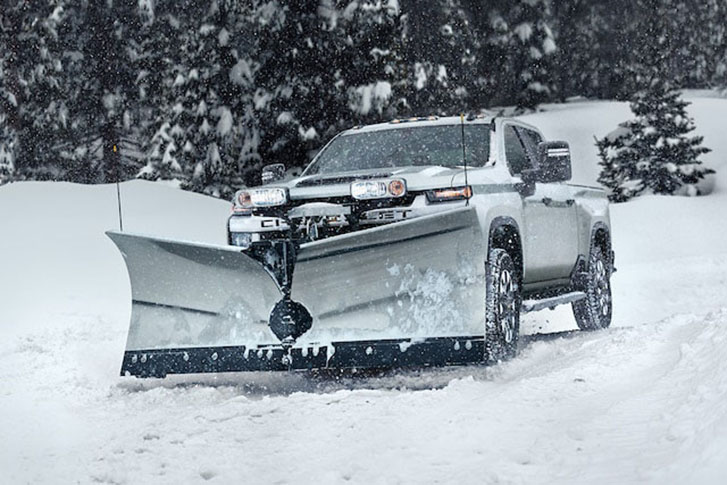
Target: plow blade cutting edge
406	294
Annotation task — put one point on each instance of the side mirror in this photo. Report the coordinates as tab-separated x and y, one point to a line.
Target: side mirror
273	173
553	162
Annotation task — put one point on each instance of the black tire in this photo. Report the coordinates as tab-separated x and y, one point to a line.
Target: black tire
594	312
502	307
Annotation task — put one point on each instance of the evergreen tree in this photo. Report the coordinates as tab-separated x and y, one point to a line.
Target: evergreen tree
31	94
7	149
157	54
319	67
196	73
162	75
212	87
296	91
439	47
368	58
105	99
515	51
8	133
699	53
653	152
594	39
9	91
162	162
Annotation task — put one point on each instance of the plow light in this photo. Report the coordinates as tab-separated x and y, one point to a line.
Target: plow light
450	194
241	239
267	197
378	189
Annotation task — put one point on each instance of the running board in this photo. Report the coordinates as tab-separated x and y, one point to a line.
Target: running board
536	305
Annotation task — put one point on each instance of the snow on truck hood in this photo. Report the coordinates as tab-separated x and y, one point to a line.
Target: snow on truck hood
338	184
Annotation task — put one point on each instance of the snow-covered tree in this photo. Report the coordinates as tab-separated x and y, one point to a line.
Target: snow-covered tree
516	50
438	55
212	99
208	91
196	72
654	152
32	100
107	97
319	67
162	163
296	90
7	150
8	133
594	40
364	38
156	55
699	42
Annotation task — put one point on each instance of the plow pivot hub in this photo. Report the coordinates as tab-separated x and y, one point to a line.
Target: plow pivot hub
289	319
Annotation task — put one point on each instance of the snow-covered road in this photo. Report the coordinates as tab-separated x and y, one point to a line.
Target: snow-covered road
644	401
626	404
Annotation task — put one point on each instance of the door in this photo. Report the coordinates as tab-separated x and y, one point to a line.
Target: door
550	234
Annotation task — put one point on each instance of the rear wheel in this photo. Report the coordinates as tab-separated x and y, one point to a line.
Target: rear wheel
502	308
594	312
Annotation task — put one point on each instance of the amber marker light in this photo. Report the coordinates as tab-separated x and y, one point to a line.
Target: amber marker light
450	194
243	198
397	188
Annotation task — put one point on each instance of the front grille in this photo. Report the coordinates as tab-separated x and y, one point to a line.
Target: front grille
357	206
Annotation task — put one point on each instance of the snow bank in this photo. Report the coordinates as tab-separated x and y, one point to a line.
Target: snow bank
56	260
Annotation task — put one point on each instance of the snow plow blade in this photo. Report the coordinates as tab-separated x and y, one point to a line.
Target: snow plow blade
404	294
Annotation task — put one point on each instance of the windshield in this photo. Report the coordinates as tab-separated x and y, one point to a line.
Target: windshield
404	147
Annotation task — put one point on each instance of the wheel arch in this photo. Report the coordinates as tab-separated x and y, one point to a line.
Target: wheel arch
601	237
505	234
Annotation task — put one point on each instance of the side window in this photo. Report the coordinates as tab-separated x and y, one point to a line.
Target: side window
530	139
517	157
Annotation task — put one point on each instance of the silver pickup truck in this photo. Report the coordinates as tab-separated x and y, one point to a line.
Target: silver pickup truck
408	243
539	241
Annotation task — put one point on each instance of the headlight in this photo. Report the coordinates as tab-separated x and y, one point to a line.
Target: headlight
450	194
264	197
378	189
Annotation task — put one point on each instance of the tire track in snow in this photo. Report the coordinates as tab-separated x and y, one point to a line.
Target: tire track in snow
565	411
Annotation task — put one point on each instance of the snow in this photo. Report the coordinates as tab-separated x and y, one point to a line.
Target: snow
241	74
284	117
421	75
224	125
549	46
223	37
309	134
524	31
371	96
644	401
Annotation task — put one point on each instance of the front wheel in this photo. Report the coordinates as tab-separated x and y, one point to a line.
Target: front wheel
502	308
594	311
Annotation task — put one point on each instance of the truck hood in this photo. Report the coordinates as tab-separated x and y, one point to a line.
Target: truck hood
338	184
